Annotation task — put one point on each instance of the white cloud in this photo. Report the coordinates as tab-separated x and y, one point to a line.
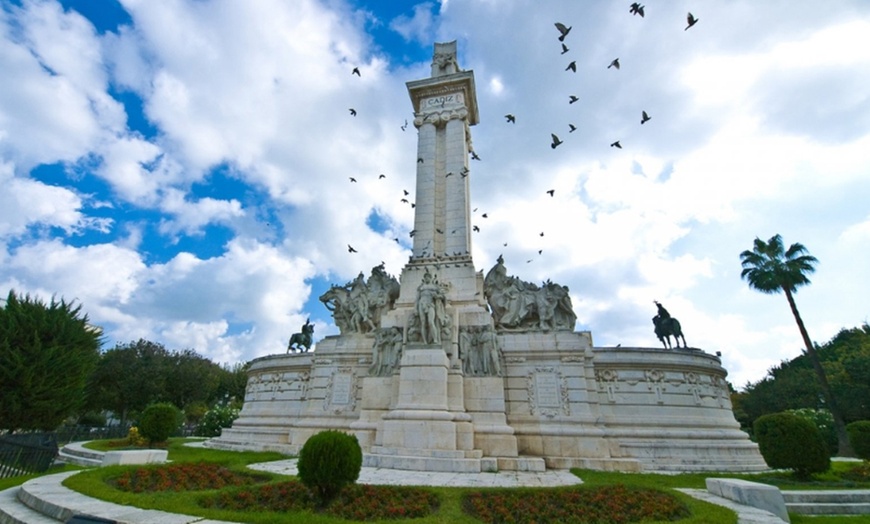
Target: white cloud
748	138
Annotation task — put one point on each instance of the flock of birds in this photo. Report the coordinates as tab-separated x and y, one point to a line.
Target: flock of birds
635	9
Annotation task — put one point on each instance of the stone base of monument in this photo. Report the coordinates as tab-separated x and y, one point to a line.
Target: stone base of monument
559	403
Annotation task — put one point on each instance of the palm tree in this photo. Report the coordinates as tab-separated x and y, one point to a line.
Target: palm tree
770	268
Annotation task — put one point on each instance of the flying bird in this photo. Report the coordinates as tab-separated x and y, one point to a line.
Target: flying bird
396	239
556	142
484	215
355	71
448	174
412	233
464	172
352	179
636	9
572	128
572	99
352	111
350	249
616	145
406	192
420	160
476	229
382	176
563	31
644	118
474	156
540	251
511	118
572	66
542	233
691	20
404	201
405	125
614	63
564	49
551	192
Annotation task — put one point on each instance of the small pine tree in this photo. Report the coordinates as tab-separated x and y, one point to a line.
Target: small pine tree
159	421
329	461
787	441
859	437
47	352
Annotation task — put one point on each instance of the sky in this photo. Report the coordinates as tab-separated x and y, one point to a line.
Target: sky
181	168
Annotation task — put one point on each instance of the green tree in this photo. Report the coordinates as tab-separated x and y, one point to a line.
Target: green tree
193	378
47	352
128	378
770	268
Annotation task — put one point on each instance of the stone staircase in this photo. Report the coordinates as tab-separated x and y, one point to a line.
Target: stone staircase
841	502
44	500
75	453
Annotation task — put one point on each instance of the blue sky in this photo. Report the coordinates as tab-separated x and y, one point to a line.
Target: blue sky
181	168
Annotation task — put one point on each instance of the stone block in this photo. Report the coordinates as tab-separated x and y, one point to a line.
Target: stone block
761	496
134	456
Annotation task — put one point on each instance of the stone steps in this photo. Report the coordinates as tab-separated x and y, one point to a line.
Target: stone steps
44	500
12	511
75	453
839	502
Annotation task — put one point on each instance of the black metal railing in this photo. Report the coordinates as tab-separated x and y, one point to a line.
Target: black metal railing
26	453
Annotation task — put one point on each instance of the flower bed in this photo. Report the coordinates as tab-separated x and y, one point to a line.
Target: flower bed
180	477
602	505
355	502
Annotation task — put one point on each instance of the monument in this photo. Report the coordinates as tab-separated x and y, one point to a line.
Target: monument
444	369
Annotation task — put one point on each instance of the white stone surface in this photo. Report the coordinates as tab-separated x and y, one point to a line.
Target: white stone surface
134	456
747	493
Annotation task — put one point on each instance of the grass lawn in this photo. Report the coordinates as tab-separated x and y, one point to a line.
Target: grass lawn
93	482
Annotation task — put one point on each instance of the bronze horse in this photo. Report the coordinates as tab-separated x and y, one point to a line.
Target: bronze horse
667	327
302	341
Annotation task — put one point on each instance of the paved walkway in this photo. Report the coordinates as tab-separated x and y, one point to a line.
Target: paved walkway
395	477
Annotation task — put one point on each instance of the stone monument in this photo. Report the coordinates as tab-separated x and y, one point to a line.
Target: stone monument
444	369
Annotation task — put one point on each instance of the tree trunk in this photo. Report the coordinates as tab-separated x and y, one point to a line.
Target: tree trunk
844	448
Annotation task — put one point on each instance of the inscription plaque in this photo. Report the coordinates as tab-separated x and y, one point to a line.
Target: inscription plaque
341	383
547	390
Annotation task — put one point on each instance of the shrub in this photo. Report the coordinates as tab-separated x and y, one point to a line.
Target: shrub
159	421
219	417
824	421
787	441
859	437
329	461
134	438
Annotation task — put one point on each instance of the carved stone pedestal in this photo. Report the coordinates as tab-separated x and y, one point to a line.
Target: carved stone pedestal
421	432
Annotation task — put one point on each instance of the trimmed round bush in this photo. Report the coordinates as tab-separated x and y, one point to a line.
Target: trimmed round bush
159	421
329	461
787	441
859	438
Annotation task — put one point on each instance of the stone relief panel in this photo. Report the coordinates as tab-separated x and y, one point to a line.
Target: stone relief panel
655	380
277	386
386	352
608	382
480	351
548	392
341	391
